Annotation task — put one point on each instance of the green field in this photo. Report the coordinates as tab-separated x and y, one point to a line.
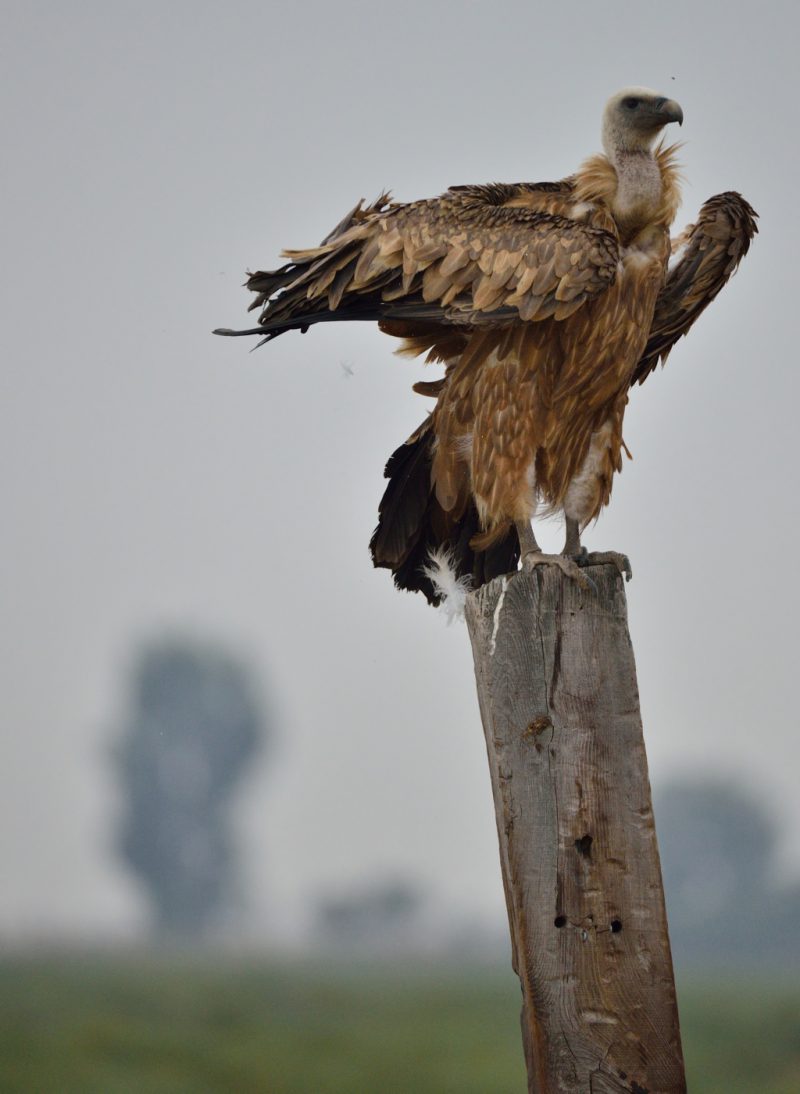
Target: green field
143	1026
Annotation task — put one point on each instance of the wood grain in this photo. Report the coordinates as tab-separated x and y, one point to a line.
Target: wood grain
560	707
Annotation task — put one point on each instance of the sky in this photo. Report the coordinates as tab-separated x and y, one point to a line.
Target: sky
154	478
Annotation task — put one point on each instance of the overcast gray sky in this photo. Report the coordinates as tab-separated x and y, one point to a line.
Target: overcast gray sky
156	477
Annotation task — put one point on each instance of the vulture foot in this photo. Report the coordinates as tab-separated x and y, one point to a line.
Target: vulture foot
567	566
595	558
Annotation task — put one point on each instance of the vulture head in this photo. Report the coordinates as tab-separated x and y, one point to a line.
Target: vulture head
634	117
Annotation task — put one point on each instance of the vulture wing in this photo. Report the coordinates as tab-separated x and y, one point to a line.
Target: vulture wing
710	252
477	255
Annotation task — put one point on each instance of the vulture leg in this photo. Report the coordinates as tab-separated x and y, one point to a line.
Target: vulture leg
574	550
532	555
527	540
584	498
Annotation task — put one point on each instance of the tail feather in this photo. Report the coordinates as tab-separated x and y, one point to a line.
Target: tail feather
401	514
414	531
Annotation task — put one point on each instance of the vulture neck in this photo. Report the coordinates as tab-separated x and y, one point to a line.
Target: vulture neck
639	191
639	187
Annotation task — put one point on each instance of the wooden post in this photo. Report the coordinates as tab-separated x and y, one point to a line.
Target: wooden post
560	708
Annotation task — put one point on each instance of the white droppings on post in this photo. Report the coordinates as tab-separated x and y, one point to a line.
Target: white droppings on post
496	618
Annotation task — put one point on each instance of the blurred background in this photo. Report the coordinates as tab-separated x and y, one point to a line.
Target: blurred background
246	831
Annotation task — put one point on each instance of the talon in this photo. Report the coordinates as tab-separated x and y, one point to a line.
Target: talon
568	566
616	558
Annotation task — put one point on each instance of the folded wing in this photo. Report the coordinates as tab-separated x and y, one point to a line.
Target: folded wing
477	255
709	254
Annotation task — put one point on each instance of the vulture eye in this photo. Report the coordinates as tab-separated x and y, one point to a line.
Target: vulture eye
630	104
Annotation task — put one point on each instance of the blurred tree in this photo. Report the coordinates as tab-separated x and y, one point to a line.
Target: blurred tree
716	845
718	849
194	727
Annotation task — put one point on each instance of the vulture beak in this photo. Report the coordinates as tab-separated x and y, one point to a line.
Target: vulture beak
668	111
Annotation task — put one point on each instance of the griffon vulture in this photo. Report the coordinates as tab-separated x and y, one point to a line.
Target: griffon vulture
545	302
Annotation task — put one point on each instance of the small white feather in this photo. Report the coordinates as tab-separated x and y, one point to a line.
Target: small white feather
448	585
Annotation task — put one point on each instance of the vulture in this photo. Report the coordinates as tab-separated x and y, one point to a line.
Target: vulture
545	302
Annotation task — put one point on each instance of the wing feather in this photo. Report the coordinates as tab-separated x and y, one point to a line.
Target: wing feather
712	250
477	255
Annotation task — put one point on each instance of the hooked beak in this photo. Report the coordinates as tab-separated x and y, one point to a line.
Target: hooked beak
667	110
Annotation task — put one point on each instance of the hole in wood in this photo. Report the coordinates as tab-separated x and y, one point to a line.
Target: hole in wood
616	926
560	921
584	846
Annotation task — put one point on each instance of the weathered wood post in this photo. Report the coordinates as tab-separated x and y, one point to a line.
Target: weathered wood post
560	708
